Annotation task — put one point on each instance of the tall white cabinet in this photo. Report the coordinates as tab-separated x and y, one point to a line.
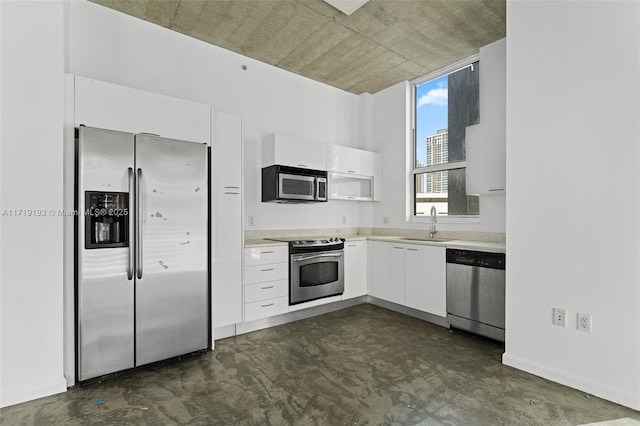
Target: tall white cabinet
227	239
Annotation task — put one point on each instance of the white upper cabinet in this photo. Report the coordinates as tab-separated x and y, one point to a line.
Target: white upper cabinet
295	152
486	157
111	106
344	159
354	174
486	141
345	186
493	80
227	150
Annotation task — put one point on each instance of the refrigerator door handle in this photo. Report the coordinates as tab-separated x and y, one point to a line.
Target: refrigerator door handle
130	221
138	224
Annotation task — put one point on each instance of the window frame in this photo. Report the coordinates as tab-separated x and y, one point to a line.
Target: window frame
412	170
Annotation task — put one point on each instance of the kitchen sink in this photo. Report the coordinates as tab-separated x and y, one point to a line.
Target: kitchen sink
427	239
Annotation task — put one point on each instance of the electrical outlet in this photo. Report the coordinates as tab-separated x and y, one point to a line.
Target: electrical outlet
385	220
584	322
559	317
252	220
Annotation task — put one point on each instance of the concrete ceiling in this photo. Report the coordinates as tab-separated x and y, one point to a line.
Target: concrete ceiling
380	44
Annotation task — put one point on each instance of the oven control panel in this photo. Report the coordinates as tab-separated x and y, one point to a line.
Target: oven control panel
320	242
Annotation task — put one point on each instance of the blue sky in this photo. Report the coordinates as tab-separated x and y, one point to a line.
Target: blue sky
431	111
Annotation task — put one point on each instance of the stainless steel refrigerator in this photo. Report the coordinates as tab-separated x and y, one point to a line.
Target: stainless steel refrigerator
141	250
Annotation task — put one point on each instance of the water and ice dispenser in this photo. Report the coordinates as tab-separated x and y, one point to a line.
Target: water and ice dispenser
107	219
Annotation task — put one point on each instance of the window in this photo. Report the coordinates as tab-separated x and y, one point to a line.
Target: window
443	107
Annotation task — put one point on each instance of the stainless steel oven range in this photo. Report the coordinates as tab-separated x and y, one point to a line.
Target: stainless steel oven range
316	269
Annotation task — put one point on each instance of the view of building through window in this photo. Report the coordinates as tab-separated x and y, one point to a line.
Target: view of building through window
437	153
443	108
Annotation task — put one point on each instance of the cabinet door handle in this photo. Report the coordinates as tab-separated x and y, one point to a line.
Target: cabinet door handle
266	252
412	249
231	187
266	306
351	171
399	248
266	288
232	193
266	270
302	165
496	190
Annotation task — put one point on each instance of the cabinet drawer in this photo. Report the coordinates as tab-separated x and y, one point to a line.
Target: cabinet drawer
265	255
266	273
265	308
265	291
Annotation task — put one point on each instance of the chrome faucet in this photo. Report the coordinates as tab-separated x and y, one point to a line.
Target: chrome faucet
434	219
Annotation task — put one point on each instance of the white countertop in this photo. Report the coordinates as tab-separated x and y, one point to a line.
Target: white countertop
460	244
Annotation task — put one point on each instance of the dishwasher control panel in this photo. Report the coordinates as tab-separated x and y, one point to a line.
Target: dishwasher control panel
476	258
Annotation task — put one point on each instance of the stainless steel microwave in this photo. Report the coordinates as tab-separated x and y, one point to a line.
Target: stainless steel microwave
284	184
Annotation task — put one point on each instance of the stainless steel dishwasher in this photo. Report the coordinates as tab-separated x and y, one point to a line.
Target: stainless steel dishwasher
475	292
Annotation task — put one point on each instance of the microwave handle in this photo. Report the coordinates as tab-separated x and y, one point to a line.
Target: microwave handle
318	181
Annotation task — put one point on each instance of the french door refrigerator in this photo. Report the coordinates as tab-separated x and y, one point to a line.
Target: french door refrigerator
141	250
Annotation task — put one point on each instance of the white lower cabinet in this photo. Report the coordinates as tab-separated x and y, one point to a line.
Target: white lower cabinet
355	269
266	282
395	286
411	275
265	308
265	273
425	279
382	285
265	291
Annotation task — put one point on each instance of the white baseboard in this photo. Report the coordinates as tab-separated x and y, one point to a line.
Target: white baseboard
28	393
224	332
584	384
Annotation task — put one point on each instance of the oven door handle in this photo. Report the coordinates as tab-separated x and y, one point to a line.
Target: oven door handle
315	256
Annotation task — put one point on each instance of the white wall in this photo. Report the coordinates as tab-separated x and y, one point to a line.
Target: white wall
391	123
110	46
573	102
32	101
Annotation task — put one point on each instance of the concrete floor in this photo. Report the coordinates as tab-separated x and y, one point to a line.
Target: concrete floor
362	365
